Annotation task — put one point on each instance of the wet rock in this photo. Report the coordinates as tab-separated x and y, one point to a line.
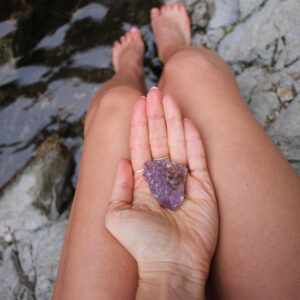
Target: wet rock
41	190
285	132
54	170
31	223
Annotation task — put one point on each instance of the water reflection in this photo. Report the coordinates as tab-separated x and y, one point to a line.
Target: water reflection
53	59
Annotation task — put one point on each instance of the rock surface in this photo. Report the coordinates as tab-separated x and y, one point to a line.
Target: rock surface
33	222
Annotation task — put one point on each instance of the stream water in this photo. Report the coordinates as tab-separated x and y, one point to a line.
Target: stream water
54	55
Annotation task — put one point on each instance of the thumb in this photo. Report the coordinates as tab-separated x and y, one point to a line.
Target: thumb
123	222
121	196
123	186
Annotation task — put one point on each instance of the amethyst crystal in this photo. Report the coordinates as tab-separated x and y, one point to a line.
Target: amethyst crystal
166	181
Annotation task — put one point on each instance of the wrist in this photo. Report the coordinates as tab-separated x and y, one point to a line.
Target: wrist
170	281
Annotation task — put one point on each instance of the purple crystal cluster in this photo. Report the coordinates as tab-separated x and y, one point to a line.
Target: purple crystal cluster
166	181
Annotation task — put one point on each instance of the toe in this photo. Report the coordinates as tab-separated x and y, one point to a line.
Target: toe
116	44
164	8
177	6
128	37
122	39
134	30
155	12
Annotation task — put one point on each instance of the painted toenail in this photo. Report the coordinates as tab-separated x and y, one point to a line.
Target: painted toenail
134	29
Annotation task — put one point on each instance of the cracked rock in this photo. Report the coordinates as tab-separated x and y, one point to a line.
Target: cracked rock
262	105
270	36
247	6
226	13
40	190
285	132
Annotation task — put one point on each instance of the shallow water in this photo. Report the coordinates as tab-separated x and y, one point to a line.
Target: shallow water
54	55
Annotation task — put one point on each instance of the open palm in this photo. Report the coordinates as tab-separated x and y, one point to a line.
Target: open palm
158	237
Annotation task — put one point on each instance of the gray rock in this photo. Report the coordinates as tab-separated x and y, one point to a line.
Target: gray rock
226	13
263	105
46	250
30	243
29	266
247	6
285	131
40	190
251	81
13	285
269	37
213	37
296	166
199	15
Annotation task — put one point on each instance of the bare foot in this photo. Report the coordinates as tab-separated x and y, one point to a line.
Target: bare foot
128	53
172	29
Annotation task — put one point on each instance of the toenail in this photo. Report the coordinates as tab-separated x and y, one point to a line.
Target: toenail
134	29
143	97
154	88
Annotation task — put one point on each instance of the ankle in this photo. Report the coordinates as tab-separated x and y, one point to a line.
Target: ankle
169	51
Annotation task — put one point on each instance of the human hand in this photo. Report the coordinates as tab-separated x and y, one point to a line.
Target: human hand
170	247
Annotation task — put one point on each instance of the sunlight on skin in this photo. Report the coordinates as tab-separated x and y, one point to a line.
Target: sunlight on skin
161	240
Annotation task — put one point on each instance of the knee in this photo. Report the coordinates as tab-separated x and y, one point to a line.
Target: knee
115	101
197	62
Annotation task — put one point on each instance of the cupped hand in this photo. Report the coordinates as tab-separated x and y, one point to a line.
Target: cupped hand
160	239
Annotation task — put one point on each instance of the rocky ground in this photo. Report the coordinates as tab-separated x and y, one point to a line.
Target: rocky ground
261	41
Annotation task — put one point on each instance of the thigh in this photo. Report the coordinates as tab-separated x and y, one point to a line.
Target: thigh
107	270
258	255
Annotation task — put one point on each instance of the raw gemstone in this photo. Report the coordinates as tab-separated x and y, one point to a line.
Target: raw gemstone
166	181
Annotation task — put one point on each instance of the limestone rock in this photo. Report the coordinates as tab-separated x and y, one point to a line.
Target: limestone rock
285	131
263	105
46	249
285	95
199	15
270	36
40	191
247	6
226	13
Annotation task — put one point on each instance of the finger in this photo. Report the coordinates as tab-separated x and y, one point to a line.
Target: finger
156	123
176	139
139	141
195	150
123	186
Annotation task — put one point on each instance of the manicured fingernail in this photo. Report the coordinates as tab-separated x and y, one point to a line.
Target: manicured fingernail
154	88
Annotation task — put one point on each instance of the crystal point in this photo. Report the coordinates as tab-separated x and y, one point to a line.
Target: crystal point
166	181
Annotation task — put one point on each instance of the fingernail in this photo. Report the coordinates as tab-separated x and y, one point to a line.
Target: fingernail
185	119
154	88
143	97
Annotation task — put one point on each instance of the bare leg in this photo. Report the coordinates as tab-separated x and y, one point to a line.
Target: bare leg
93	264
258	255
